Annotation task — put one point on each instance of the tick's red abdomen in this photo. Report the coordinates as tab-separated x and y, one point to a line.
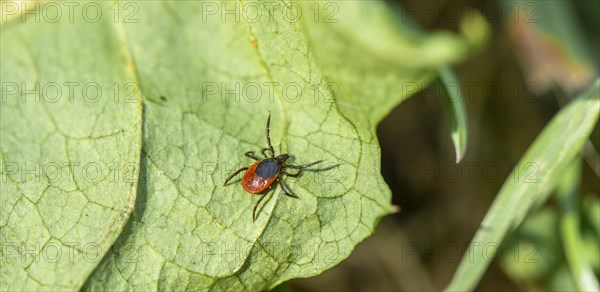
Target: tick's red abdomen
253	183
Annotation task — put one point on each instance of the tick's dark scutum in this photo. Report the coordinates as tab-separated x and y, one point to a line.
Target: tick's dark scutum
267	168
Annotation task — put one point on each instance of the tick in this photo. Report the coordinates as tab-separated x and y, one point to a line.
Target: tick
261	175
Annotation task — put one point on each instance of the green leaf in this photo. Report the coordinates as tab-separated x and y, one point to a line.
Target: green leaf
70	148
207	86
530	182
190	231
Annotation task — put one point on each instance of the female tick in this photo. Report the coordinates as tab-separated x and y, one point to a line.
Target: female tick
261	175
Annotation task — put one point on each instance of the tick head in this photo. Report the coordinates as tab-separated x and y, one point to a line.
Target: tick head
281	158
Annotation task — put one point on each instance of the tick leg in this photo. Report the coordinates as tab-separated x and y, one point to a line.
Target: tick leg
268	136
234	174
252	155
257	203
303	166
285	192
265	154
292	174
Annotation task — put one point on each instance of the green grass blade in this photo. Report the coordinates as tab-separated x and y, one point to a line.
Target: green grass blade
450	90
568	198
530	182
